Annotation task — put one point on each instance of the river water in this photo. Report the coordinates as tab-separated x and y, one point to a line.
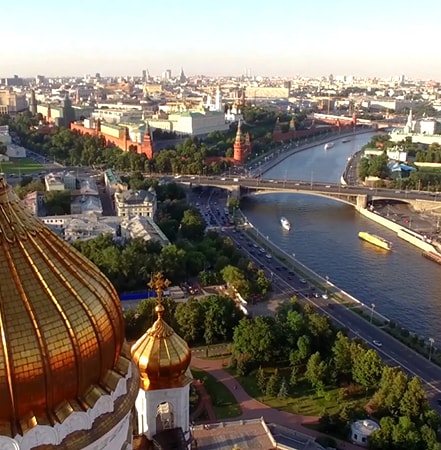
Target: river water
402	284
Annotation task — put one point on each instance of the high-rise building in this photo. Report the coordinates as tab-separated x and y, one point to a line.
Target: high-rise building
33	103
14	81
166	75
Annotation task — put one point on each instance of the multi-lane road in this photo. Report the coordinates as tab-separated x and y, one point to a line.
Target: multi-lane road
287	282
299	186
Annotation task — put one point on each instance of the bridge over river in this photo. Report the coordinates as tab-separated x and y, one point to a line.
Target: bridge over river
359	196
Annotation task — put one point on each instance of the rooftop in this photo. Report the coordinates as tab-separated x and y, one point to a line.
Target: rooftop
247	434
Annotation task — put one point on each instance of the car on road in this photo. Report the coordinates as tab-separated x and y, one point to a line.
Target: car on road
377	343
316	295
325	296
302	280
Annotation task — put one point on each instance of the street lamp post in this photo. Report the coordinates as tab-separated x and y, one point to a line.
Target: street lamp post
431	342
372	310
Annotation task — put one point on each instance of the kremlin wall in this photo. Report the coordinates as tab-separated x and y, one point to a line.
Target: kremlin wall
115	135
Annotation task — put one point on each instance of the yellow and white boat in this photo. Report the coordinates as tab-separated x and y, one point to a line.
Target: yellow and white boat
375	240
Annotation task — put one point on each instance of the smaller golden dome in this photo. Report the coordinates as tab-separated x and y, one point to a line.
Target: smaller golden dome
162	356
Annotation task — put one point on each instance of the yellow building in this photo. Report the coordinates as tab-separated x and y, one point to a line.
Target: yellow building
12	102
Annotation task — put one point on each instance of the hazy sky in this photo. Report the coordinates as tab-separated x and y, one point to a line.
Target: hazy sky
286	37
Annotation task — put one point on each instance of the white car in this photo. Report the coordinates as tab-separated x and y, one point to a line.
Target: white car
325	296
377	343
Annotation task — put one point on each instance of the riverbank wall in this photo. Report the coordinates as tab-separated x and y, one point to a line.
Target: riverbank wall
407	235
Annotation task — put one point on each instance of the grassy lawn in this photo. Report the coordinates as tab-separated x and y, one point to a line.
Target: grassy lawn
20	165
302	399
224	403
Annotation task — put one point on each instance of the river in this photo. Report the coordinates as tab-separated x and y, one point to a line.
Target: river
402	284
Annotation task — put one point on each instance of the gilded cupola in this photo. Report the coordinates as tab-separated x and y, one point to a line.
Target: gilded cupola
162	356
61	327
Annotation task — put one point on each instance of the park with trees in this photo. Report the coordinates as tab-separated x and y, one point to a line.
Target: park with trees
299	362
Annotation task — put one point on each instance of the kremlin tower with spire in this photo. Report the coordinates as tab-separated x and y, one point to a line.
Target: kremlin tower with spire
242	146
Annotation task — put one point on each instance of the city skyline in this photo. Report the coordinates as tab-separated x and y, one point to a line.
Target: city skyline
382	40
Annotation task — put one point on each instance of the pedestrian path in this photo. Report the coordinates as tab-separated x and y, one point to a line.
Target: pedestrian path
205	403
253	409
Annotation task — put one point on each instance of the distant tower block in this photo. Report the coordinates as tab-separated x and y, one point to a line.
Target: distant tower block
218	101
33	103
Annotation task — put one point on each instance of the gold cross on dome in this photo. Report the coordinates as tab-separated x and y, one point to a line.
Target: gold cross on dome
159	284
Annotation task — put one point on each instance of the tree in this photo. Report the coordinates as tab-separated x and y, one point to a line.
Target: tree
221	318
283	391
57	202
341	351
366	367
296	326
272	386
256	338
294	377
235	277
429	438
28	185
414	402
192	225
392	387
171	262
304	347
315	370
261	379
190	319
381	439
262	282
405	436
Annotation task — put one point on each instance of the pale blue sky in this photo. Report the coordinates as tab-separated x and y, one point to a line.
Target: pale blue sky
363	38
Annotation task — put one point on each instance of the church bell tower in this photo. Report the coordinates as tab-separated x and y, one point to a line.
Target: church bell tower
163	359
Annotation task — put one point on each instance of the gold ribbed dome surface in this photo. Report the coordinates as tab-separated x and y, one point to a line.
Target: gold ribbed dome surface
162	356
61	326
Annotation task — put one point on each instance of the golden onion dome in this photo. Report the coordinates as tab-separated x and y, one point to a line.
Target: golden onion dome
61	326
162	356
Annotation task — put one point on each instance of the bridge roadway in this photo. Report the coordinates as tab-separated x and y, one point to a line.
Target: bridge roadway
344	193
